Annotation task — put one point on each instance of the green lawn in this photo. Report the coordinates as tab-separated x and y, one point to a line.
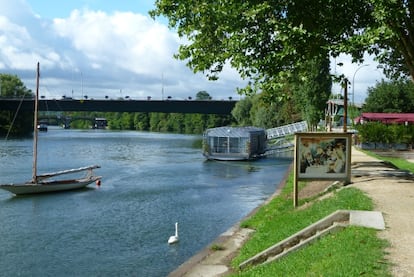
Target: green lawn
398	162
355	251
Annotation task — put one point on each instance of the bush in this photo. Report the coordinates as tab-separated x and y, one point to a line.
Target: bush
376	132
372	132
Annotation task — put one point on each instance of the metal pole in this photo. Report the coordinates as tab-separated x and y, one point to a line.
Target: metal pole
35	130
345	104
353	82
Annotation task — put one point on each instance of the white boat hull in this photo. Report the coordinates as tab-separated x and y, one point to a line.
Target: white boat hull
41	183
52	186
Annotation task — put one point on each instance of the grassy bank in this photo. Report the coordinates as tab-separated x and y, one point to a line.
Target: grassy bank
397	162
355	251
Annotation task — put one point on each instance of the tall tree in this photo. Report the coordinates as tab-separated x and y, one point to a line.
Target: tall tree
241	111
203	95
391	36
16	123
261	39
314	89
12	86
394	96
141	121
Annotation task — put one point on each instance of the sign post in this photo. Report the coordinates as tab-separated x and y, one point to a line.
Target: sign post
321	156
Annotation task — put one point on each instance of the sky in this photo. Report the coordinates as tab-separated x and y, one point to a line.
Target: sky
99	48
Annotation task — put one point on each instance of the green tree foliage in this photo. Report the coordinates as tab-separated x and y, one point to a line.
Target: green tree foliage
82	120
241	111
302	96
274	44
285	100
390	36
265	116
256	111
203	95
392	96
11	86
313	90
15	123
261	39
157	122
141	121
377	132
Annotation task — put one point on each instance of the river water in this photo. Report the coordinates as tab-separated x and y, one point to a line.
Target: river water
150	181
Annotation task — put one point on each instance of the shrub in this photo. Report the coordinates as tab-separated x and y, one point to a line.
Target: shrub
377	132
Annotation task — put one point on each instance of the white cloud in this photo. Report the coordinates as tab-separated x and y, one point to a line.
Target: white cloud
361	76
97	53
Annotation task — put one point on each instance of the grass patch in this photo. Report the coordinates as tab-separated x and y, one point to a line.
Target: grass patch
354	251
397	162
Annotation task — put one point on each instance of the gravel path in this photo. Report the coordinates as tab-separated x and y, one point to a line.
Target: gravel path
394	197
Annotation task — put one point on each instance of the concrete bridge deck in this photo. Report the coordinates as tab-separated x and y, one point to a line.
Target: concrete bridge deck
166	106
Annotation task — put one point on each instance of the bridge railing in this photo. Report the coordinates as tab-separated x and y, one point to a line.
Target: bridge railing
223	107
285	130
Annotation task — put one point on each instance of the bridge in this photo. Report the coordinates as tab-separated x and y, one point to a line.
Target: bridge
278	137
283	131
223	107
65	121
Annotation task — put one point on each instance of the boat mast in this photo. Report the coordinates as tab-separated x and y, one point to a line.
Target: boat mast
35	131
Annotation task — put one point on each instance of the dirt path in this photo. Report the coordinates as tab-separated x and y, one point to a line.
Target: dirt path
394	197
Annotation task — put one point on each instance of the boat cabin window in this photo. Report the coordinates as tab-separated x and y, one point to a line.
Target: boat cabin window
227	145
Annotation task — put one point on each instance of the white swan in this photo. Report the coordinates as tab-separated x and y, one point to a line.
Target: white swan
174	239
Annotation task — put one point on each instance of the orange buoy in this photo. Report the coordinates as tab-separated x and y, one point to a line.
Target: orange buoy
98	183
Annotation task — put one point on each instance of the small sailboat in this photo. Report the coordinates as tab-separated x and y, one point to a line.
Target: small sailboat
42	183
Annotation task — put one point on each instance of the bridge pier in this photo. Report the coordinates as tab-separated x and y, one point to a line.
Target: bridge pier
100	123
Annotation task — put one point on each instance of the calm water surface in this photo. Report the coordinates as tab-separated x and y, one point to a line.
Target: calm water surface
150	181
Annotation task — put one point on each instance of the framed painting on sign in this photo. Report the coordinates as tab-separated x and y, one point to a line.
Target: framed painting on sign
325	156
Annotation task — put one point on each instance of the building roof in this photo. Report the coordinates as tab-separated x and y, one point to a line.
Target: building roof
340	102
233	131
386	117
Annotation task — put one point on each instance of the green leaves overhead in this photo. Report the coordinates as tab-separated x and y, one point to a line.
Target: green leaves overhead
392	36
260	38
263	38
274	43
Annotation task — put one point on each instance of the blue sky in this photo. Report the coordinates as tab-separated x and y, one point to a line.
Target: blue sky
100	48
52	9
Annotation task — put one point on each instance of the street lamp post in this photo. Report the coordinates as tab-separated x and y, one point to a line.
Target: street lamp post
353	82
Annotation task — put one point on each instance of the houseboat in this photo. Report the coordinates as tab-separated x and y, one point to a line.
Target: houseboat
234	143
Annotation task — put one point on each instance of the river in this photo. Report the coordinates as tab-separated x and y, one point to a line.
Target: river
149	182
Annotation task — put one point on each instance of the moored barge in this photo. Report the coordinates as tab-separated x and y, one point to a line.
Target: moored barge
234	143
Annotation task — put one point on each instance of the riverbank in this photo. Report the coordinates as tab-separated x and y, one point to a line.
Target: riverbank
392	195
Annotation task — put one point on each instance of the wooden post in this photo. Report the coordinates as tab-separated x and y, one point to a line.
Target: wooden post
35	130
348	159
295	175
345	104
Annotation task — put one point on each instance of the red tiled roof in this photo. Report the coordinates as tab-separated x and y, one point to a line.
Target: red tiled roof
387	117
